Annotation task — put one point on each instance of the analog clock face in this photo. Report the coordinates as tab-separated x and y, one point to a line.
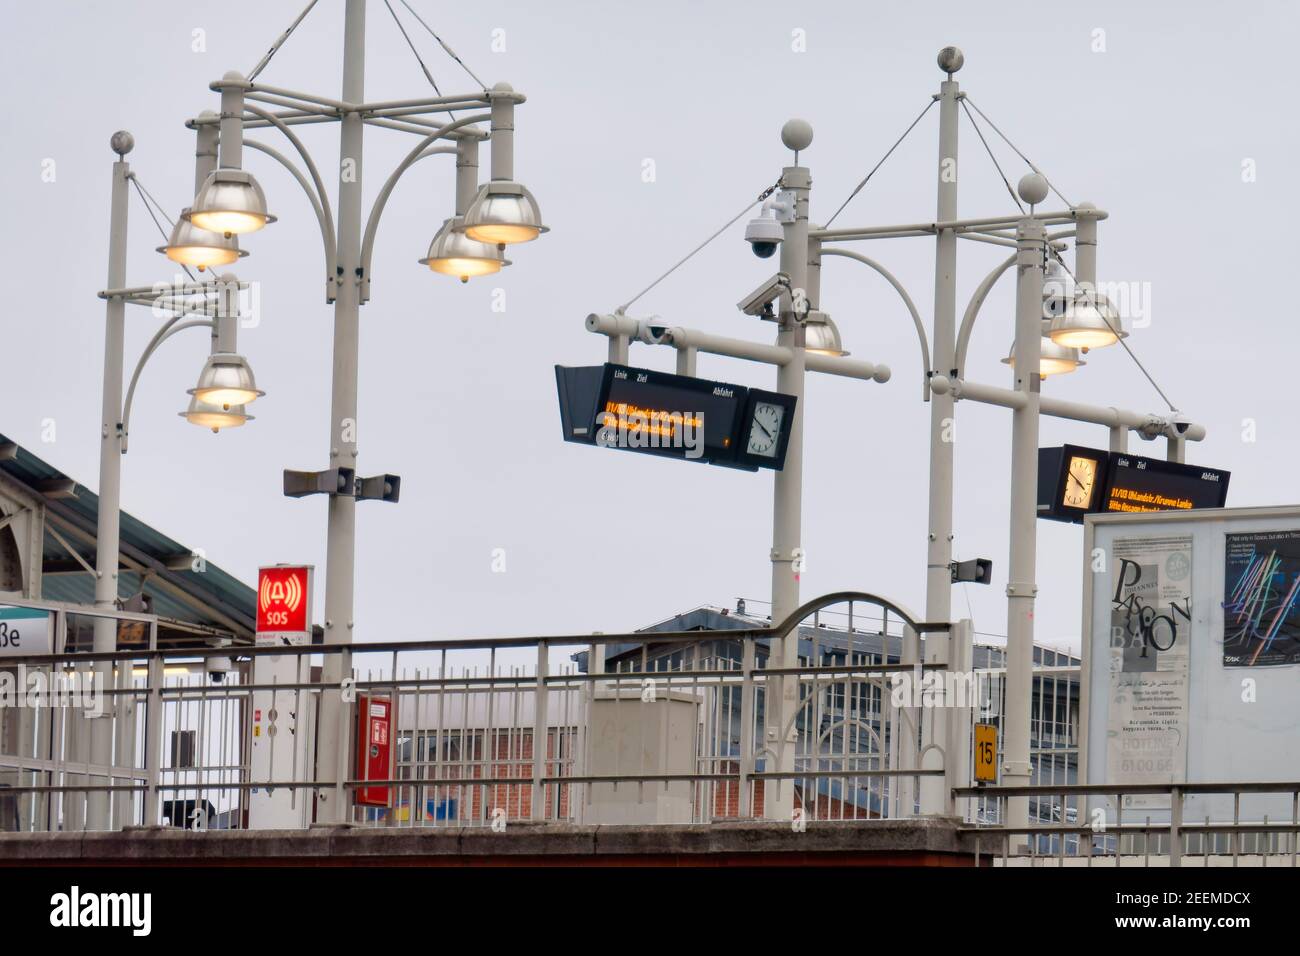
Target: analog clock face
1080	482
765	429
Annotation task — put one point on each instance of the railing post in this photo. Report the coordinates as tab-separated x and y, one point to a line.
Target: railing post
1175	826
341	812
745	800
539	734
957	749
153	741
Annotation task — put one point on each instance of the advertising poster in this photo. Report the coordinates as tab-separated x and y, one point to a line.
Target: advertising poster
1150	632
1261	585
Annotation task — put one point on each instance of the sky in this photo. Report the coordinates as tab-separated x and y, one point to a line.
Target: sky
648	126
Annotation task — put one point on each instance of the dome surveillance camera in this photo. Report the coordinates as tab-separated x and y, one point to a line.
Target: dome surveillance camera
764	234
1179	423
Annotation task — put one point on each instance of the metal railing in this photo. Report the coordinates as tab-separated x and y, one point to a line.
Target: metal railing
1053	730
486	731
1182	824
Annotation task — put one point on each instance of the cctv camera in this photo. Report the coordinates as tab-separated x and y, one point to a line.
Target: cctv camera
763	234
218	667
757	302
652	331
1179	423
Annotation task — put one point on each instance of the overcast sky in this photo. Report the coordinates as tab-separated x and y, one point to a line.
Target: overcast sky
1170	118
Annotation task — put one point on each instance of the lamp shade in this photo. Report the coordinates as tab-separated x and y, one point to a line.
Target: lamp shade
453	253
214	416
230	202
503	212
823	336
226	381
191	246
1054	360
1084	325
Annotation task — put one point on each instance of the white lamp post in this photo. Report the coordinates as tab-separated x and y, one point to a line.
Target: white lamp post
230	202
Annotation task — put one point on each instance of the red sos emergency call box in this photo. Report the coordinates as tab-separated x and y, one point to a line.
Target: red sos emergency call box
284	597
376	721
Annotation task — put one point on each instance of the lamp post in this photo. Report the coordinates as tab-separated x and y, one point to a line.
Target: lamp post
808	340
1040	349
224	386
787	488
471	242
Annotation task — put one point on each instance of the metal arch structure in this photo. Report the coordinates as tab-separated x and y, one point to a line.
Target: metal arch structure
786	718
857	597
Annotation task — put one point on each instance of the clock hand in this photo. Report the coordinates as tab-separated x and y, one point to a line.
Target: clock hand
1077	480
761	428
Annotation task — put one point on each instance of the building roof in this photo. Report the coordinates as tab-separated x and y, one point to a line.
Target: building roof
181	589
829	637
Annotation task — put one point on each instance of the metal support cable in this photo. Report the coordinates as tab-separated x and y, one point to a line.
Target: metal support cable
730	222
416	53
1120	338
275	47
978	132
1013	146
450	52
147	198
858	189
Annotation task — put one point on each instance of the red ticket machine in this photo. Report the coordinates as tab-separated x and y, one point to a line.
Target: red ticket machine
376	720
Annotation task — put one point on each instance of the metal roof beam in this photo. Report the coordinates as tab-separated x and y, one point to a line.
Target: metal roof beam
138	560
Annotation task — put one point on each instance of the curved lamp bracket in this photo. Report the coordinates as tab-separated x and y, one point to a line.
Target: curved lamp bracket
907	300
972	310
419	152
320	199
322	216
169	328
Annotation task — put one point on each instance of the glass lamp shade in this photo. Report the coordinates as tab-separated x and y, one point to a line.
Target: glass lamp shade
191	246
503	213
453	253
823	338
226	382
1084	326
1054	360
230	202
214	416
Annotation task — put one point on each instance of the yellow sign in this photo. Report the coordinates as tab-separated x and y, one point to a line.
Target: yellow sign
986	753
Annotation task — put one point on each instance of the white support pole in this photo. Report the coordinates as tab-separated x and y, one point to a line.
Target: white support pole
957	750
107	535
340	560
787	498
1176	448
466	173
1021	588
938	576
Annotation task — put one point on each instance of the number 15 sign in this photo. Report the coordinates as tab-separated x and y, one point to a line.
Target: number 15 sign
284	595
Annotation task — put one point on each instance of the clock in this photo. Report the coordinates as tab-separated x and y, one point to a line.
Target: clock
1080	482
765	429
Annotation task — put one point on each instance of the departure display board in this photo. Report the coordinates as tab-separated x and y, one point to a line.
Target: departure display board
1149	484
676	416
1074	481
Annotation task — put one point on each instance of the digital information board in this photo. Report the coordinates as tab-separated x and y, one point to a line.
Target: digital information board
675	416
1074	481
